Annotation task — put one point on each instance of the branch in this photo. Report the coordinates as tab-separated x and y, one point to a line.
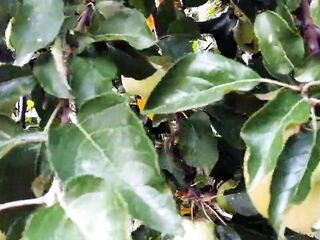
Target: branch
310	31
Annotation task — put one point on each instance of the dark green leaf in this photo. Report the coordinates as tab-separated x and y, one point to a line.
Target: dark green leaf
227	233
16	229
278	39
198	80
166	14
176	46
186	26
264	132
8	8
197	142
109	142
115	22
35	26
310	71
97	209
91	77
315	11
14	82
55	224
51	74
288	174
144	6
241	203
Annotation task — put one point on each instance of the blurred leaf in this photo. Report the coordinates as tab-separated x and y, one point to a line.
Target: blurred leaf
197	229
166	14
55	224
14	82
310	71
198	80
121	24
91	77
16	229
197	142
8	8
109	142
283	11
292	4
280	41
186	26
315	11
35	26
51	74
299	152
241	204
263	133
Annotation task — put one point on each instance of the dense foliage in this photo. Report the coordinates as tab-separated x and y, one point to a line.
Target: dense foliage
127	119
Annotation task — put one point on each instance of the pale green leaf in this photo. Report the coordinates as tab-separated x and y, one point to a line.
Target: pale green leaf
264	132
35	26
91	77
197	142
97	209
276	38
109	142
51	224
113	21
198	80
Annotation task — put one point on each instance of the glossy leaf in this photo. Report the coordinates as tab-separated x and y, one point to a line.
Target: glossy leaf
115	22
97	209
289	172
91	77
264	132
11	135
197	142
35	26
198	80
14	82
54	223
315	11
280	41
51	75
109	142
310	71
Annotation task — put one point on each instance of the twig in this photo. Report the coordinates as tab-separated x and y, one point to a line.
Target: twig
53	116
215	213
22	203
307	86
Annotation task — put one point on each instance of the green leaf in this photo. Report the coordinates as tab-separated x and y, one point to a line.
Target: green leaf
198	80
91	77
8	8
11	135
55	224
197	142
276	38
51	74
310	71
283	11
115	22
14	82
292	4
35	26
264	132
315	11
97	209
298	154
109	142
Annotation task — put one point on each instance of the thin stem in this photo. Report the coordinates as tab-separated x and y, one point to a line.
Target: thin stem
307	86
205	213
281	84
22	203
33	138
52	117
215	213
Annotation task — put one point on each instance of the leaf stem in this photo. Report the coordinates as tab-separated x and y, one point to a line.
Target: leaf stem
33	138
281	84
22	203
53	116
